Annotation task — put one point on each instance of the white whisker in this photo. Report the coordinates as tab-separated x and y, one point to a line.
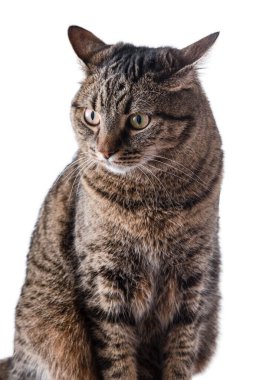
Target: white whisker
65	172
154	188
84	166
193	176
158	180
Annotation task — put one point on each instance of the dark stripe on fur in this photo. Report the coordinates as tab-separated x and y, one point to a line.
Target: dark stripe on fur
128	106
167	116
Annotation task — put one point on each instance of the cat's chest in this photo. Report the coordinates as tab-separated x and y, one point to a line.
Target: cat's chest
120	277
122	270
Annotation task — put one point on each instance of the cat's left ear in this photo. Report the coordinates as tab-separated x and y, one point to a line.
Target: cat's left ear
89	48
184	74
192	53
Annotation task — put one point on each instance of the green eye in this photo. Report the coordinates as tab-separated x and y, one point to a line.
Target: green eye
91	117
139	121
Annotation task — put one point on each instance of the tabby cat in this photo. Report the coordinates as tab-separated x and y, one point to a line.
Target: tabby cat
123	269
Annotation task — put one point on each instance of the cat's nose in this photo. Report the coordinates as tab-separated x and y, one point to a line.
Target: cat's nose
107	144
107	153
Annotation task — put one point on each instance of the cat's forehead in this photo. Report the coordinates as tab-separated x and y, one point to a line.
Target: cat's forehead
129	80
132	63
114	91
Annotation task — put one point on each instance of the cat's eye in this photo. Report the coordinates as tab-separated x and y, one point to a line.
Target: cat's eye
139	121
91	117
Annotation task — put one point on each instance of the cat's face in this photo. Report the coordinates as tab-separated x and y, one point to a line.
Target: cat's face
135	104
121	124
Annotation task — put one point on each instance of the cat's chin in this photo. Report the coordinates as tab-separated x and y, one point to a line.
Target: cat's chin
121	170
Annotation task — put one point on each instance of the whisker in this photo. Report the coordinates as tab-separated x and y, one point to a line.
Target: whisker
174	175
176	224
142	166
189	170
84	165
193	176
146	175
69	175
64	172
164	171
153	186
150	171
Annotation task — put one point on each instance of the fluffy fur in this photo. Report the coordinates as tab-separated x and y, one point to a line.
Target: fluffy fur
123	269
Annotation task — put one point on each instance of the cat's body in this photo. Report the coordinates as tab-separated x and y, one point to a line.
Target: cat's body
122	276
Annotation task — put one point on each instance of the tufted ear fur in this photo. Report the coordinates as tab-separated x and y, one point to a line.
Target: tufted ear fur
184	75
192	53
89	48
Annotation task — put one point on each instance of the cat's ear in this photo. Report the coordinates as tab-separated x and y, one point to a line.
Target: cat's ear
192	53
89	48
184	75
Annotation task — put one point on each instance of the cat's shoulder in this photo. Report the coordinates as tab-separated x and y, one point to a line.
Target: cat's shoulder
60	198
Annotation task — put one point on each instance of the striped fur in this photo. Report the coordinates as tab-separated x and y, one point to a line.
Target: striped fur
123	269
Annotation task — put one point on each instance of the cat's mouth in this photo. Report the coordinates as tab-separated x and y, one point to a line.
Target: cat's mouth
116	168
114	165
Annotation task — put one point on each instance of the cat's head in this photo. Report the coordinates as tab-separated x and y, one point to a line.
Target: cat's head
136	103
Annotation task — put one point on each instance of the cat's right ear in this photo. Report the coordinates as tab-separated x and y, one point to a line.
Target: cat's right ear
89	48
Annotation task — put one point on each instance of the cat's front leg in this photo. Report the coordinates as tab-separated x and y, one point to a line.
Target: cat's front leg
45	351
179	354
180	348
115	350
112	326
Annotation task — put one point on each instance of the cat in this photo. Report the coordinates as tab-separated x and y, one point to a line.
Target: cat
122	276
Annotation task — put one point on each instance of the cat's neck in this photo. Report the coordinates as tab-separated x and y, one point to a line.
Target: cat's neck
154	189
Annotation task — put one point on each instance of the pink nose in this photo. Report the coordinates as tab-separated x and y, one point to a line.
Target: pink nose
106	153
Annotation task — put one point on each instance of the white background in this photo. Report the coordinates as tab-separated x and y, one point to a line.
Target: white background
38	78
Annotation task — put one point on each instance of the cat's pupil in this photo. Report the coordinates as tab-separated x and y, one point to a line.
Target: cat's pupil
138	119
92	115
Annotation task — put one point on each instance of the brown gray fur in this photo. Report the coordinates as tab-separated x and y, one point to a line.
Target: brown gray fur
123	269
